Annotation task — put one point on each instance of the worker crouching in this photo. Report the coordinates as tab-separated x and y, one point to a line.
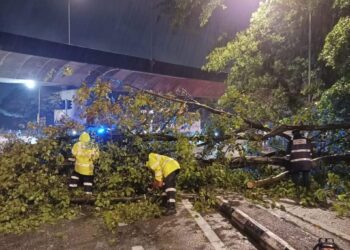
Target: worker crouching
165	169
85	152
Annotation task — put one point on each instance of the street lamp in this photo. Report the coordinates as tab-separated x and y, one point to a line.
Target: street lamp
31	84
309	49
68	22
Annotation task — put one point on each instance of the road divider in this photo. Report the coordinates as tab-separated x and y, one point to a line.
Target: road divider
263	236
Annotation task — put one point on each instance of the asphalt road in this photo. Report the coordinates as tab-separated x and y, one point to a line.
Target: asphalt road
298	226
184	231
178	232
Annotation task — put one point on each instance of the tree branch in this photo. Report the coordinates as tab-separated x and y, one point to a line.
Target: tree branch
328	159
239	162
279	130
259	160
273	179
200	105
267	181
90	200
276	131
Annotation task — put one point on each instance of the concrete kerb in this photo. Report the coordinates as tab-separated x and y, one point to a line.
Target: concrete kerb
204	226
262	235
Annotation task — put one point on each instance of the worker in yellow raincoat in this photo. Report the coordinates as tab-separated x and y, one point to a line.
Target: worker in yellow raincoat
85	152
166	170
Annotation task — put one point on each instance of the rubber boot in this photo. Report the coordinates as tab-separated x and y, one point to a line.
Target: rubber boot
164	200
171	209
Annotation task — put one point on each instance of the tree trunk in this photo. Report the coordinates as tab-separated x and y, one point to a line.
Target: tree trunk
258	160
267	181
90	200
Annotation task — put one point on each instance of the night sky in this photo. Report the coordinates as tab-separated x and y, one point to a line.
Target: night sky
130	27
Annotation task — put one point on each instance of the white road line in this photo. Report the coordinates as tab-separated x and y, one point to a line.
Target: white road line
137	248
203	224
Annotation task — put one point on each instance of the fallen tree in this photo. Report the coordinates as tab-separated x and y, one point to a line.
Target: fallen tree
31	174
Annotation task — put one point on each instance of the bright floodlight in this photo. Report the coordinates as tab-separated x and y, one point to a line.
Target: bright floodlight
30	84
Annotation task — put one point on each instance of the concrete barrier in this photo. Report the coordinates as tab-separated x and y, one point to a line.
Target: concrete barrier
265	238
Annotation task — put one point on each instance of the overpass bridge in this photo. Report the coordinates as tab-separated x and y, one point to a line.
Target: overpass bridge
48	62
121	41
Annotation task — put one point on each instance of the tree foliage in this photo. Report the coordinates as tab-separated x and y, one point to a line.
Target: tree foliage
334	104
267	74
342	4
337	47
32	189
268	61
182	10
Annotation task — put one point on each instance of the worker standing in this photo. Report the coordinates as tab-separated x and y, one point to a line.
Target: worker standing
166	170
300	150
85	152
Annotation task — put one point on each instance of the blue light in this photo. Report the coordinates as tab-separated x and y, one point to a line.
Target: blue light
101	131
74	132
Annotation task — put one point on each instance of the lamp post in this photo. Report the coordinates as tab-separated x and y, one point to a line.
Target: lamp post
309	50
30	84
68	22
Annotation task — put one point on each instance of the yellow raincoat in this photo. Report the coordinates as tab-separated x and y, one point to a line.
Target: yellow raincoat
161	165
85	153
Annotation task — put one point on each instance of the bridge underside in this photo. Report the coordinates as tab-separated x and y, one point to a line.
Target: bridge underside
53	64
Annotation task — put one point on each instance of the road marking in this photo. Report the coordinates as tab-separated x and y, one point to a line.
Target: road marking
203	224
137	248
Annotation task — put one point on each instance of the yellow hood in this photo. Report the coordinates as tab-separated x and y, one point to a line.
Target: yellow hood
84	137
153	161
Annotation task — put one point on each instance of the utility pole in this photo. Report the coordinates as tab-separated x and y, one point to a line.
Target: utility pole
69	22
309	52
152	62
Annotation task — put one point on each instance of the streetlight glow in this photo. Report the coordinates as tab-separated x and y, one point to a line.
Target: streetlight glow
30	84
